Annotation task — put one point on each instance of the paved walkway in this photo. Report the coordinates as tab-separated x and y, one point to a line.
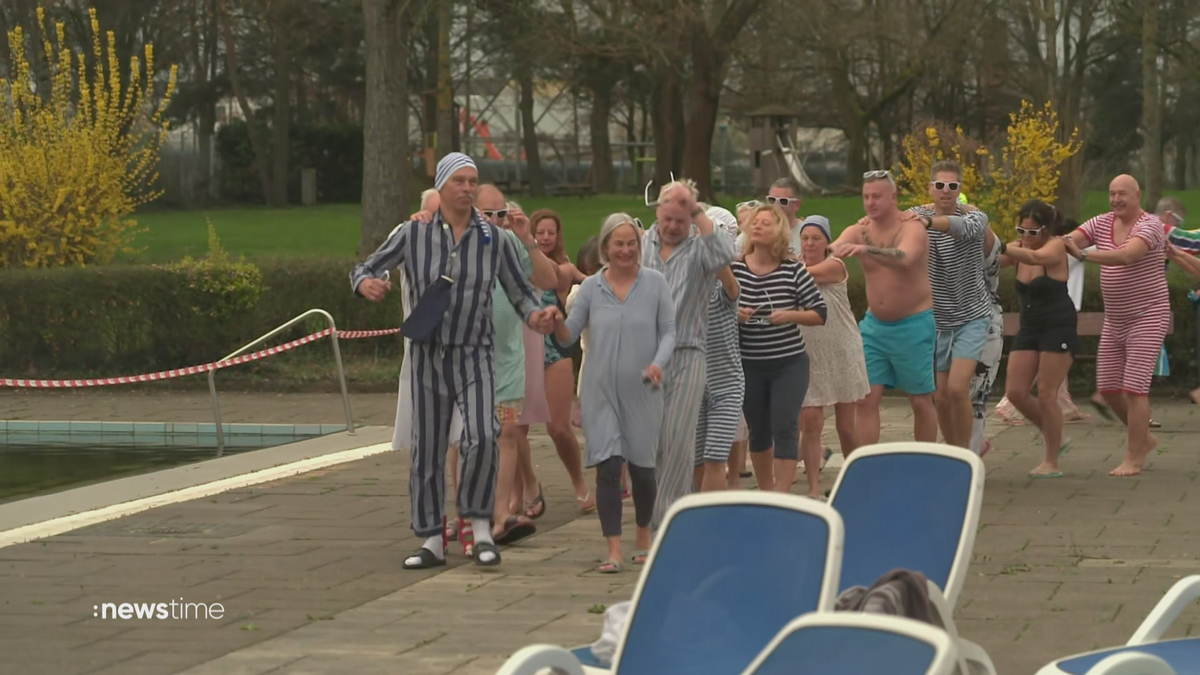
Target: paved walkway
308	568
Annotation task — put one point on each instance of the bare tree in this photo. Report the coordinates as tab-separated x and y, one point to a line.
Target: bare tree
1152	127
385	123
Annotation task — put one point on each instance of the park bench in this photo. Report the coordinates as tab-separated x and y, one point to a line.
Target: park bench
1089	325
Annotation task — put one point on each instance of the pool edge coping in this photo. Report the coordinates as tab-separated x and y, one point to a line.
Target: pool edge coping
44	516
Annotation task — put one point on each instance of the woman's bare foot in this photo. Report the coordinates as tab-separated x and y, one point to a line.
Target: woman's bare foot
1046	470
1132	465
1076	416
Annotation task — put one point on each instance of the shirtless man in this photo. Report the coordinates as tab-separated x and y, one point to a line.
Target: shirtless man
898	330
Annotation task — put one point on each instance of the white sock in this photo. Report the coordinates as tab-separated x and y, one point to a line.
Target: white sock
483	533
433	545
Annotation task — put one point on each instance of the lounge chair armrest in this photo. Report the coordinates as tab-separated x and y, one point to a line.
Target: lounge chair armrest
977	661
1132	663
533	659
1183	593
972	660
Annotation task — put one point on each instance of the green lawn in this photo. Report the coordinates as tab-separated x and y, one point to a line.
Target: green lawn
332	229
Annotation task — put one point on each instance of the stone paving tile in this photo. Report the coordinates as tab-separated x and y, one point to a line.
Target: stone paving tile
309	567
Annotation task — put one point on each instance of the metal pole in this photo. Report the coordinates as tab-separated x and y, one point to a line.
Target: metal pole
212	390
337	357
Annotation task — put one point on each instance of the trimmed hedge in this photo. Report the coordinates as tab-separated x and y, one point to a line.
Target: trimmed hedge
119	320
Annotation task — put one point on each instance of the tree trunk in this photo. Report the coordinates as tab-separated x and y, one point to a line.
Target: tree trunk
281	55
705	97
533	158
603	180
257	143
445	90
429	90
667	106
856	157
1151	106
385	122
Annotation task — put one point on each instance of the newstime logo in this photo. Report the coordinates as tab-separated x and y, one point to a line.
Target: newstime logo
159	610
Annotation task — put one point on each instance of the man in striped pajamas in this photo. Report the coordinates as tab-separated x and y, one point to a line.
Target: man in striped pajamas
454	365
962	305
684	247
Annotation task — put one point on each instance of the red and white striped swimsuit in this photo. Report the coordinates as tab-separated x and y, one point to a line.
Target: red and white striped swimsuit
1137	308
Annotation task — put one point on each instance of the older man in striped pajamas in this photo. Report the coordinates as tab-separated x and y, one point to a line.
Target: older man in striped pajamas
452	264
684	247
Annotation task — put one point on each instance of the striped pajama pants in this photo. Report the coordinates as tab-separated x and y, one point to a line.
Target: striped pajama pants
720	417
445	378
683	391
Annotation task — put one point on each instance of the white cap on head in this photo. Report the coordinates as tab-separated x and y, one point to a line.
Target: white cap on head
448	165
723	219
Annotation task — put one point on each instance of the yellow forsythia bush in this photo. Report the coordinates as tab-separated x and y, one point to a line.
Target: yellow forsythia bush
1027	166
76	160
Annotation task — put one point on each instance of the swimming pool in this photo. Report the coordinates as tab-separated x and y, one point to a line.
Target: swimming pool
39	457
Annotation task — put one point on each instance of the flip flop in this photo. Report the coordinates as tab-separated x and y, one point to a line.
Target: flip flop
1155	424
1052	474
514	530
427	560
611	567
538	503
589	509
486	547
643	554
1105	411
1065	448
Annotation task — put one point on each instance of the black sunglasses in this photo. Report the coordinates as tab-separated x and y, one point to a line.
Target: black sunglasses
499	215
943	185
782	201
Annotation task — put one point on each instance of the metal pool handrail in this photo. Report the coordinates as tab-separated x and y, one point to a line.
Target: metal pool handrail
337	356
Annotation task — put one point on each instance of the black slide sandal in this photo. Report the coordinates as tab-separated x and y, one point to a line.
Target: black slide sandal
486	547
428	560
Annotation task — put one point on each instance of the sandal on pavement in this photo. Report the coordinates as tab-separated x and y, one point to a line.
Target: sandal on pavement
427	560
536	508
482	549
514	530
1155	424
585	510
611	567
639	557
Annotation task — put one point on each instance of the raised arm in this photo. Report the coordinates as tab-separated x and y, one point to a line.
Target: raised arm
829	271
580	307
1188	263
1144	238
1054	250
512	278
729	283
716	250
969	226
666	327
386	257
910	248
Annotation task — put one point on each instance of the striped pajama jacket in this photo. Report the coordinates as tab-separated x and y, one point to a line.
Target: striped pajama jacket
456	367
691	270
725	382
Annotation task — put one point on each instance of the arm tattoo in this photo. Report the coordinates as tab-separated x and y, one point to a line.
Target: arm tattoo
880	250
887	252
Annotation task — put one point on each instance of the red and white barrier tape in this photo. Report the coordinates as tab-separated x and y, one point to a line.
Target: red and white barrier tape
194	370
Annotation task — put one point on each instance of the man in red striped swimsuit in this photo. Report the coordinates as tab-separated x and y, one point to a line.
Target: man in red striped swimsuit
1131	250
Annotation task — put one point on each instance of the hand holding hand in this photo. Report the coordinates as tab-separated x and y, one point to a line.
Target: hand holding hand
374	289
845	249
1072	247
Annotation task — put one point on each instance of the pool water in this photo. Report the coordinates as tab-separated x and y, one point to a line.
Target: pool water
27	470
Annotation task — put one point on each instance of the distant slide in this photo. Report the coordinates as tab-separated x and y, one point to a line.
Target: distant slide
795	168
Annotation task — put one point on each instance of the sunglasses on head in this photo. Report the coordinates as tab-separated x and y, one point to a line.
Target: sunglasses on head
752	204
871	175
1029	231
944	185
499	215
782	201
1178	218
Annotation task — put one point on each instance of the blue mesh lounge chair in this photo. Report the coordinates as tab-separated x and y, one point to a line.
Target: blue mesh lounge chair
851	642
727	571
1181	656
913	506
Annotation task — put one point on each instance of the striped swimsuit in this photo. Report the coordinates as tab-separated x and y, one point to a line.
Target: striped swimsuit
1137	309
725	384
